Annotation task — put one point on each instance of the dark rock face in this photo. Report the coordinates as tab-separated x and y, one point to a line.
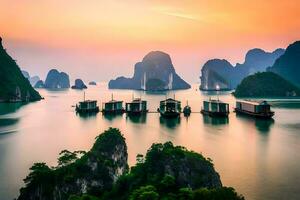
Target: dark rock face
95	172
288	65
220	74
14	87
266	84
155	72
56	79
39	84
92	83
79	84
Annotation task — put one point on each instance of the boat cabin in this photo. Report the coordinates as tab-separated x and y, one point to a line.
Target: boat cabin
113	106
258	109
170	107
136	106
215	108
87	106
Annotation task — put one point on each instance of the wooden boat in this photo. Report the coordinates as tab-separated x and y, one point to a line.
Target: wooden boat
113	107
187	110
169	108
256	109
136	107
215	108
87	106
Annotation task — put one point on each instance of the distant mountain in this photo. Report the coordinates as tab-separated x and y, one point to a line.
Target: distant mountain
79	84
14	87
266	84
220	74
33	80
155	72
288	65
56	79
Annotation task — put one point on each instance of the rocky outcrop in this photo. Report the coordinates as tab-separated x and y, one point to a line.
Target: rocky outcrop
56	80
79	84
33	80
39	84
221	75
155	72
96	171
288	65
14	87
92	83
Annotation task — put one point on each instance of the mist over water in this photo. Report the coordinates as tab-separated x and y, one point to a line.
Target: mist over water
259	158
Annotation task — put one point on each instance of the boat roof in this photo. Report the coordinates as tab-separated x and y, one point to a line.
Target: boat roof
114	101
138	100
253	102
170	100
88	101
214	101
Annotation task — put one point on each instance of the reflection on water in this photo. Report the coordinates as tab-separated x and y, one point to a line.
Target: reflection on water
6	108
286	104
244	157
215	120
87	116
137	118
170	123
262	125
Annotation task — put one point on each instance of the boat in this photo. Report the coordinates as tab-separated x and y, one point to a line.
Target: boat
253	108
187	110
87	106
136	107
169	108
215	108
113	107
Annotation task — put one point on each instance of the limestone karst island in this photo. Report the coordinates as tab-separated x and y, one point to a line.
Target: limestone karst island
149	100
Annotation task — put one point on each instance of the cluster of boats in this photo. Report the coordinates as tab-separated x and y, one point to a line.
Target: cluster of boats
171	108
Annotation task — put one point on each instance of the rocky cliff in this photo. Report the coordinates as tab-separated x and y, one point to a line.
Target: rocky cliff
288	65
220	74
56	79
154	72
14	87
79	84
95	172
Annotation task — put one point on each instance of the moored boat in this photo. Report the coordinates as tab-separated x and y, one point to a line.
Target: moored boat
169	108
215	108
113	107
187	110
136	107
256	109
87	106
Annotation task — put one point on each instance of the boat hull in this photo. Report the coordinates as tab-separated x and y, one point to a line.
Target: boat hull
267	115
113	112
215	114
170	114
137	112
94	110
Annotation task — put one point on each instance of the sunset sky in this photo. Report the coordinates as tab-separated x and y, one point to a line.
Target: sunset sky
99	39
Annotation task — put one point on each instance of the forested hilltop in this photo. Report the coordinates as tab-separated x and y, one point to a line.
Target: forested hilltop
266	84
14	87
165	172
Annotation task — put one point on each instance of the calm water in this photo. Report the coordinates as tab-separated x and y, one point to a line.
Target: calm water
260	159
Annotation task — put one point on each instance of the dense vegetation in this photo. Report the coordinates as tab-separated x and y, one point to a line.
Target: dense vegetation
288	65
266	84
12	80
166	172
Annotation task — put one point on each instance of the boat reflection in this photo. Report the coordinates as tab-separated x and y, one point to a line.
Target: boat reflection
262	125
169	122
215	120
137	118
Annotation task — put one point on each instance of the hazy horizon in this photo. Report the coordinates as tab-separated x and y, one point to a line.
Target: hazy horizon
100	40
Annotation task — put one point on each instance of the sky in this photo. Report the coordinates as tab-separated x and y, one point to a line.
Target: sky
102	39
